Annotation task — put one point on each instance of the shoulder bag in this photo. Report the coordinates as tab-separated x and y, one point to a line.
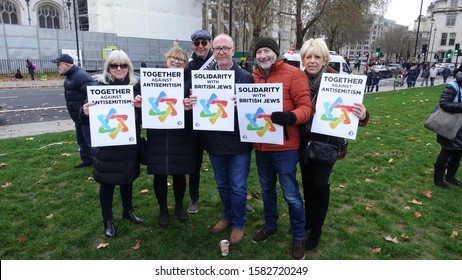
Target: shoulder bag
444	123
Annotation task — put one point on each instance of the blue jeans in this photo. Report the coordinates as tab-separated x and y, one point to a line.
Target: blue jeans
282	164
82	133
231	174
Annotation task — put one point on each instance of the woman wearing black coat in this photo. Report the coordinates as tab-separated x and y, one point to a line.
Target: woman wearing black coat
172	151
117	165
448	161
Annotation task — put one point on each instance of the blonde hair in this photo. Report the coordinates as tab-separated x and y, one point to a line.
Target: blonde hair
177	52
317	47
120	57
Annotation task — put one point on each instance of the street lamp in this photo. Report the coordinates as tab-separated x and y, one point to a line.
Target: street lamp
433	44
230	23
432	21
28	11
76	30
418	28
69	13
244	2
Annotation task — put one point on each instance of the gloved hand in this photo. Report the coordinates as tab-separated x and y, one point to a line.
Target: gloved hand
283	118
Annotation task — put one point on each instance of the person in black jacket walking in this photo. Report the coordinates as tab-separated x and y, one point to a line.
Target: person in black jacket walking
117	165
448	160
75	93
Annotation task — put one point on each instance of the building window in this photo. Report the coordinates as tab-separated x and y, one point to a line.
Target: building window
453	4
451	19
444	38
8	12
452	39
49	17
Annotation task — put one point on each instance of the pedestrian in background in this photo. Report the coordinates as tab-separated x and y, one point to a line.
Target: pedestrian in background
425	75
173	151
446	72
75	93
143	64
202	54
433	74
280	161
31	68
375	79
117	165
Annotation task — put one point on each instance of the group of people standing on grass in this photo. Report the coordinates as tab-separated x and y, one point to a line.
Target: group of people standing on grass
178	152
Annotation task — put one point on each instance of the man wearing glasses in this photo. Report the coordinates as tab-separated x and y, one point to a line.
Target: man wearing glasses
75	93
202	57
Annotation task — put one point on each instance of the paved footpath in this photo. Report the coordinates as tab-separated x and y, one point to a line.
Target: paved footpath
23	130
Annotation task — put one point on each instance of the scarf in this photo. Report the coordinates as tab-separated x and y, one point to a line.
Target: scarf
315	82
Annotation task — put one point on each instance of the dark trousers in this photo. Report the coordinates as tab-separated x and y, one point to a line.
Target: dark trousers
106	197
195	178
447	160
82	133
161	189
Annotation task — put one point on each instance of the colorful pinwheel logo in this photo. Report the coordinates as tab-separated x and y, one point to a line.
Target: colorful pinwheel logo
328	115
158	102
256	118
110	118
206	108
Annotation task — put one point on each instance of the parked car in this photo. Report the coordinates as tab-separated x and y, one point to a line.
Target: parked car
397	68
336	61
440	67
385	71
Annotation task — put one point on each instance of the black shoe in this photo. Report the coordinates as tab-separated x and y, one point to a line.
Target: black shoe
109	228
130	215
84	164
181	214
453	180
442	184
164	219
313	239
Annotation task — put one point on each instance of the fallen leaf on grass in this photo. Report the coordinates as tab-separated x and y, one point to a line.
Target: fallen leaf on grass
376	251
428	194
390	160
417	214
22	238
256	194
66	154
453	234
102	245
375	154
3	164
404	236
369	180
144	191
30	139
416	202
249	196
342	186
89	179
205	169
375	169
412	139
6	185
137	245
394	239
407	207
49	216
369	207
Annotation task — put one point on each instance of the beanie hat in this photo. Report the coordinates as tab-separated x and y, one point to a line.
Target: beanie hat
266	41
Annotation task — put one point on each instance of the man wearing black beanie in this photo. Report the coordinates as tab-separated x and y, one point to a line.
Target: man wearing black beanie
280	161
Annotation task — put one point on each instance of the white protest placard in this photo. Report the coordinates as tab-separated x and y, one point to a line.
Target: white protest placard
255	103
162	90
112	118
214	109
334	106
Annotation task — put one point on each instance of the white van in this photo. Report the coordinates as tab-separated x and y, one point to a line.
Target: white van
337	62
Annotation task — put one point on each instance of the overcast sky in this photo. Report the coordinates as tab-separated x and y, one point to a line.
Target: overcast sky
404	12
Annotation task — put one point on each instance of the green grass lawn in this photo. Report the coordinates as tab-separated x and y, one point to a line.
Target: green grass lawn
49	210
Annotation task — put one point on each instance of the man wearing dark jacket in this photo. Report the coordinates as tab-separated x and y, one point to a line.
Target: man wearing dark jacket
75	93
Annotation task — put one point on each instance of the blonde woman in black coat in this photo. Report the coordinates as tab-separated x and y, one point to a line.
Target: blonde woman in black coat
117	165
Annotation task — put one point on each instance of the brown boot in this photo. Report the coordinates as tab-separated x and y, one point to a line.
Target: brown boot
236	236
221	226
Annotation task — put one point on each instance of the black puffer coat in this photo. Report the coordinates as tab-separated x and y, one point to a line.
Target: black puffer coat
119	165
75	90
449	103
173	151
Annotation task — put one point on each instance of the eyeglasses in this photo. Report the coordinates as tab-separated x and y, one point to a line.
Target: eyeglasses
224	49
174	58
203	43
115	66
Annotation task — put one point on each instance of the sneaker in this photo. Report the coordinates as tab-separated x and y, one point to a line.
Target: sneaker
221	226
263	234
193	207
298	250
236	236
453	180
249	209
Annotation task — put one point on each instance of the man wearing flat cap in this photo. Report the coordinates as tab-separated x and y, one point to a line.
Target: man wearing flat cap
75	93
280	161
202	58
